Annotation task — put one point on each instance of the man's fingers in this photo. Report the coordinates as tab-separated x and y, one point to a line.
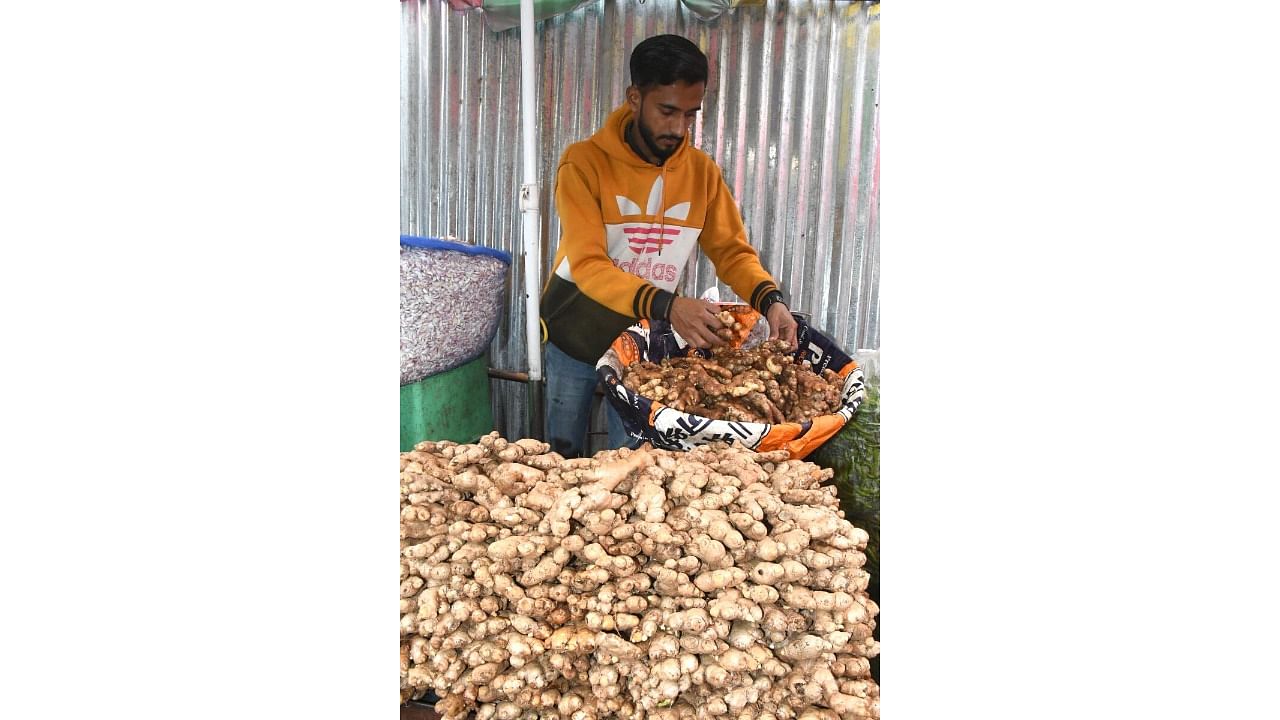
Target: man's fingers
701	326
776	331
710	323
713	340
695	336
709	338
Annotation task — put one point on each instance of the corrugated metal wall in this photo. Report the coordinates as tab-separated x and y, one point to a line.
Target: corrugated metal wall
791	115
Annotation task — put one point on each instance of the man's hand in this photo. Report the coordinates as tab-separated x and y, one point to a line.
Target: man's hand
782	324
696	321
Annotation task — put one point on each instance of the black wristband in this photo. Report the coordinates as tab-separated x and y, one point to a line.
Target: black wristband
660	308
771	297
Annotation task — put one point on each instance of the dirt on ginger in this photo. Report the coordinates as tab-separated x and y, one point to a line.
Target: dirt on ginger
715	583
764	384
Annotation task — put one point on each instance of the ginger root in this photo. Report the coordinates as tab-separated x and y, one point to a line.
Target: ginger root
716	583
764	384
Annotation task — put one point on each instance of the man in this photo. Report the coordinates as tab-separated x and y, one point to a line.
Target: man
633	201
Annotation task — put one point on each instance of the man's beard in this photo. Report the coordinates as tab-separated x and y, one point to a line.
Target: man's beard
652	143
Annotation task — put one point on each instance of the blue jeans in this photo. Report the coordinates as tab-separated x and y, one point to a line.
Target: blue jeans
571	385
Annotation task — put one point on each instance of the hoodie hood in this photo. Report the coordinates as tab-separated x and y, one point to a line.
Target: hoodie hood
612	139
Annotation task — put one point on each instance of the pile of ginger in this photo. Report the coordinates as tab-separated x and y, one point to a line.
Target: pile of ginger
764	384
713	583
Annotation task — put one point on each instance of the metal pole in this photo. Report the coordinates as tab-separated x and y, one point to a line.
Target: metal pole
530	209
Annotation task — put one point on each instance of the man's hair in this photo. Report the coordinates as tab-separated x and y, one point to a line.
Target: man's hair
666	60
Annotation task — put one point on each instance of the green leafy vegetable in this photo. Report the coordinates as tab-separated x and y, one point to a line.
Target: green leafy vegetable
854	455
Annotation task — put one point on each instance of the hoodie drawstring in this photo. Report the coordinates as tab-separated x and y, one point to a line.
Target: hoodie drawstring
662	210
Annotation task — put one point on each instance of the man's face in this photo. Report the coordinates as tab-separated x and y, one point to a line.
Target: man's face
664	113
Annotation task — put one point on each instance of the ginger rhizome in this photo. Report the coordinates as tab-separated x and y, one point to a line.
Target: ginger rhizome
764	384
714	583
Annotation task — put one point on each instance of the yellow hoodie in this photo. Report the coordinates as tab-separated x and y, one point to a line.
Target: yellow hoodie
627	229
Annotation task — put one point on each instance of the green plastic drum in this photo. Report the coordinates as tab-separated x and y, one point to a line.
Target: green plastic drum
452	405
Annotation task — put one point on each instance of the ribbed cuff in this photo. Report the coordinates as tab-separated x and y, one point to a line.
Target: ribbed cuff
652	303
660	308
757	296
768	299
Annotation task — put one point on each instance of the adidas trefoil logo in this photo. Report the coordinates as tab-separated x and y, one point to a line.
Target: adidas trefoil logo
647	238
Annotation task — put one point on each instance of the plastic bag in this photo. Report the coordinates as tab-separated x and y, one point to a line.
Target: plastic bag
500	15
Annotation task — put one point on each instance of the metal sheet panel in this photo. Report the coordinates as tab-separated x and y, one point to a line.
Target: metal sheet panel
791	115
